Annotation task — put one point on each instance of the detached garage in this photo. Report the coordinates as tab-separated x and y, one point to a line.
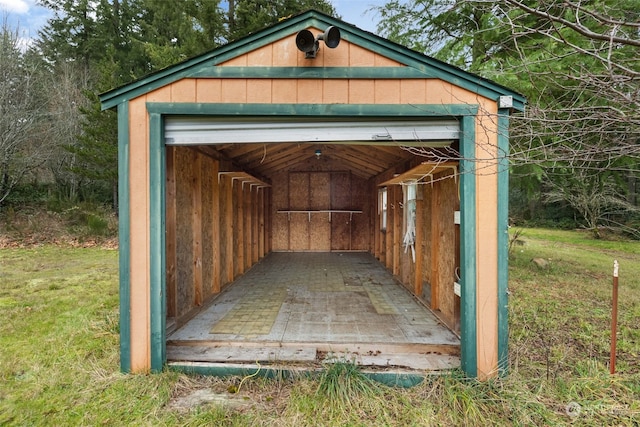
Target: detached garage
313	189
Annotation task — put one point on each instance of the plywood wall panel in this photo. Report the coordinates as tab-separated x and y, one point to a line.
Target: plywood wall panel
226	230
183	91
298	191
239	61
337	57
184	230
383	61
419	239
209	90
255	212
406	267
413	91
387	92
341	190
445	201
427	243
280	221
139	237
320	232
247	239
340	232
196	219
285	54
335	91
162	94
261	57
438	92
319	190
299	232
320	199
170	239
238	229
284	91
487	232
259	91
360	57
309	91
263	212
361	91
299	200
209	240
234	91
397	227
217	247
361	199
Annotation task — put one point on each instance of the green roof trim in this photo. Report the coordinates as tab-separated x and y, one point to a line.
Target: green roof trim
311	73
201	66
315	110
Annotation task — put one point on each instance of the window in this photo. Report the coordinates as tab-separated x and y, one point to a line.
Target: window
382	208
410	196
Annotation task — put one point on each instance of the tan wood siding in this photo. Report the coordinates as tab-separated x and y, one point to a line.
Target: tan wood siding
227	246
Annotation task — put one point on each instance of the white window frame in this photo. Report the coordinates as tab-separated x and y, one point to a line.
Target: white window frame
383	207
410	195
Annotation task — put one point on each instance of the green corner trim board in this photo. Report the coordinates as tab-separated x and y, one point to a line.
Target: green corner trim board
468	331
123	236
503	240
415	65
157	259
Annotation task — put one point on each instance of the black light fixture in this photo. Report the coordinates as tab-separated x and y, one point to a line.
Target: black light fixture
307	43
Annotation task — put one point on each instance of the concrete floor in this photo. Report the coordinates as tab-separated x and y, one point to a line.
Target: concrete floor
297	306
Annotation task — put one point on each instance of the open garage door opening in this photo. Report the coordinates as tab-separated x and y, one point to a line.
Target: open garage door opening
289	241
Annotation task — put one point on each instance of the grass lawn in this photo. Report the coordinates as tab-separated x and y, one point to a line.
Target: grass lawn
59	353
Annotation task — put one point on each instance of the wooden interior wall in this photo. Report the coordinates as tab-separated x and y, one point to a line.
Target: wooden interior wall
215	229
432	275
427	244
319	196
312	191
444	202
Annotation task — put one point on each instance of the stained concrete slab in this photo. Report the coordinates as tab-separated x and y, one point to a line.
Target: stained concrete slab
321	301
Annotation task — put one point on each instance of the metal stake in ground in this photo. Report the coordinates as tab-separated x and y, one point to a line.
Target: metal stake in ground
614	318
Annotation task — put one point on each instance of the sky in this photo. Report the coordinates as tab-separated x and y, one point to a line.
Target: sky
28	17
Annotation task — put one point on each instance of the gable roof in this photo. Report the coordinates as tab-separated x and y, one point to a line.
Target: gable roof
417	64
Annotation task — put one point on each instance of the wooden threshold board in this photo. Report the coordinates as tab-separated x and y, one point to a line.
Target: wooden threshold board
413	356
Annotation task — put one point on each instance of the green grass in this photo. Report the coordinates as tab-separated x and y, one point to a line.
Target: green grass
59	353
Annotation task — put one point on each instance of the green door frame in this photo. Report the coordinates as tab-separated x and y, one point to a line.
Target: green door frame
157	170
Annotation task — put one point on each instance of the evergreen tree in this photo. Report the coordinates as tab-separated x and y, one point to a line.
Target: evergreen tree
575	62
249	16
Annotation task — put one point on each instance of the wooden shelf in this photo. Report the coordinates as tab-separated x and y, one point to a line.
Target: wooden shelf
319	210
245	177
329	211
422	171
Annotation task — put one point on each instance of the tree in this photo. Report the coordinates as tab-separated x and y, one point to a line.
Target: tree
248	16
595	196
172	32
456	32
21	109
575	62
